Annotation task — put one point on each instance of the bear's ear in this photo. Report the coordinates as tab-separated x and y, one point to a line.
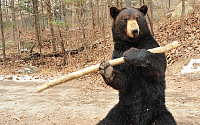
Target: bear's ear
143	9
114	12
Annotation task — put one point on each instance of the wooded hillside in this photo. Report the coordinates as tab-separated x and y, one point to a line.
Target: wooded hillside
67	35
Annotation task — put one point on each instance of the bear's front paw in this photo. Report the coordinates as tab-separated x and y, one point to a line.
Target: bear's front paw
138	57
106	71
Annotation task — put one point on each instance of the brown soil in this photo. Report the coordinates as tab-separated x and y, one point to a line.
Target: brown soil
85	102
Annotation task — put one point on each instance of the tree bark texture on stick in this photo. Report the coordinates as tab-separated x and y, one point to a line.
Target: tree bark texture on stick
95	68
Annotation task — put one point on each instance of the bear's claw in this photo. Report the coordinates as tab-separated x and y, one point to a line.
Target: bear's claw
106	70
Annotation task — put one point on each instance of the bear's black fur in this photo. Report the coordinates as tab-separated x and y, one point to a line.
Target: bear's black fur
141	80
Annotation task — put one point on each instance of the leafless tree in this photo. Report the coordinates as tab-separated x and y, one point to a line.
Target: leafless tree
82	19
37	28
117	3
53	39
141	2
13	18
92	13
2	36
128	3
151	16
64	11
183	19
98	14
73	13
42	14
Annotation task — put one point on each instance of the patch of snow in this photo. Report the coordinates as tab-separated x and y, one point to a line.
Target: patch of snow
29	78
191	68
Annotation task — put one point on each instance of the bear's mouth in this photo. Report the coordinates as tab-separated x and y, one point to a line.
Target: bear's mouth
132	28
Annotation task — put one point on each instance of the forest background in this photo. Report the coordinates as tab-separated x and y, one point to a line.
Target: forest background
50	36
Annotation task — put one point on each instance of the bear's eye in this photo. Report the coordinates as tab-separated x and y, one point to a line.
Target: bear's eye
137	18
125	19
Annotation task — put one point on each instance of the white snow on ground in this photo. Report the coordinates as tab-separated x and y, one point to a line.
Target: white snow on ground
29	78
192	67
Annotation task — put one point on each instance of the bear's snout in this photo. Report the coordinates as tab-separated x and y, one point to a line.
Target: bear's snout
132	28
135	32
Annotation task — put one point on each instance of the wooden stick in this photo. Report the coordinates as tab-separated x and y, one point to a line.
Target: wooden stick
95	68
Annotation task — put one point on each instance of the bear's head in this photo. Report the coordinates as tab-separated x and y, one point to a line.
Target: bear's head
129	23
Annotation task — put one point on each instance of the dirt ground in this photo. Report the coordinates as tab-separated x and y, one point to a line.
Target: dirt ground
82	102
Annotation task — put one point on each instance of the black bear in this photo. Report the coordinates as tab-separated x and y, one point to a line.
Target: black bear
141	80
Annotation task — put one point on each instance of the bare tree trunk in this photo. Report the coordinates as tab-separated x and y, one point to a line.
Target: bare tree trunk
61	38
53	39
60	10
141	2
19	44
121	3
21	16
103	22
62	46
19	32
6	11
2	36
117	3
42	15
13	19
183	19
64	10
108	11
128	3
37	28
82	27
195	5
151	16
98	12
73	11
29	17
3	7
92	11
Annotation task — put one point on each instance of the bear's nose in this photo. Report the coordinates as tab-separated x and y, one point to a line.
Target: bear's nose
135	32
